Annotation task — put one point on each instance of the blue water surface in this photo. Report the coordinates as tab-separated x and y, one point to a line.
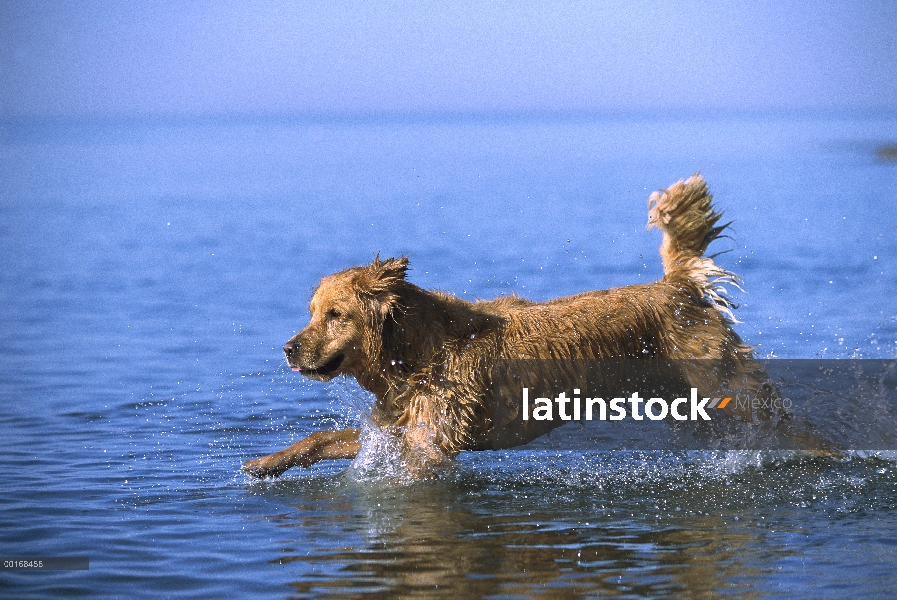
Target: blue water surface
150	272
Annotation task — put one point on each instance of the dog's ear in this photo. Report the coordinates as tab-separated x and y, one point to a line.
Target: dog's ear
378	282
383	275
378	290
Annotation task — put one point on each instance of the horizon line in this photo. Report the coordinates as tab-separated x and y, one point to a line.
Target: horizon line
386	116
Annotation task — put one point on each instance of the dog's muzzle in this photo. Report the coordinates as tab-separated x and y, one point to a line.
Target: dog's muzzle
292	350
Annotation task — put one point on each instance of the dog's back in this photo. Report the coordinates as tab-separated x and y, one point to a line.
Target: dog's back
683	316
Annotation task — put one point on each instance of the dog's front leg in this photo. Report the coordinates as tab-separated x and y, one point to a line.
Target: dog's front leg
421	457
320	445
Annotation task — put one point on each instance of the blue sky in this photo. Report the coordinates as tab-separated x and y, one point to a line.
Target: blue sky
205	58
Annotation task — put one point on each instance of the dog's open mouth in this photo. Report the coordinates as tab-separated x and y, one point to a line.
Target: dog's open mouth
326	369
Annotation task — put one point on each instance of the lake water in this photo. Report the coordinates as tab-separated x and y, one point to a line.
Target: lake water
151	272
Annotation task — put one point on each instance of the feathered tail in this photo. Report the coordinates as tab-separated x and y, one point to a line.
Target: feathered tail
686	217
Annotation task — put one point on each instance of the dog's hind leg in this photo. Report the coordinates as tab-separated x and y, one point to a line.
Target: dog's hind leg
321	445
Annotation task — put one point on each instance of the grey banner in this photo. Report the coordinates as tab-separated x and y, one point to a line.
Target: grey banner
746	404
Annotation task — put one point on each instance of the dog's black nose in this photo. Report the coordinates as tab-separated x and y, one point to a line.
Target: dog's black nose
289	347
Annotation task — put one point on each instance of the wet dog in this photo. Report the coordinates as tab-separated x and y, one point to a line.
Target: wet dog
426	356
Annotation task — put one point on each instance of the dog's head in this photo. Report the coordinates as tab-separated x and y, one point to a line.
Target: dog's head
348	313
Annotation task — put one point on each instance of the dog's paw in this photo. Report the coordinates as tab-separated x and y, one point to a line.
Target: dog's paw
266	466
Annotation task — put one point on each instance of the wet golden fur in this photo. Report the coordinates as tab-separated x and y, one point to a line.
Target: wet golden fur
426	355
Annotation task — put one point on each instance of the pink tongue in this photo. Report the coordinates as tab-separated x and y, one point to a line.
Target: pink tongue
296	368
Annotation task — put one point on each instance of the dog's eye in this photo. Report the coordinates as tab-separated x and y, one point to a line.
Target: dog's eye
334	314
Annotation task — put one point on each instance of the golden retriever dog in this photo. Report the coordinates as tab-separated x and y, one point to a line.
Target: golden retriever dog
426	356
